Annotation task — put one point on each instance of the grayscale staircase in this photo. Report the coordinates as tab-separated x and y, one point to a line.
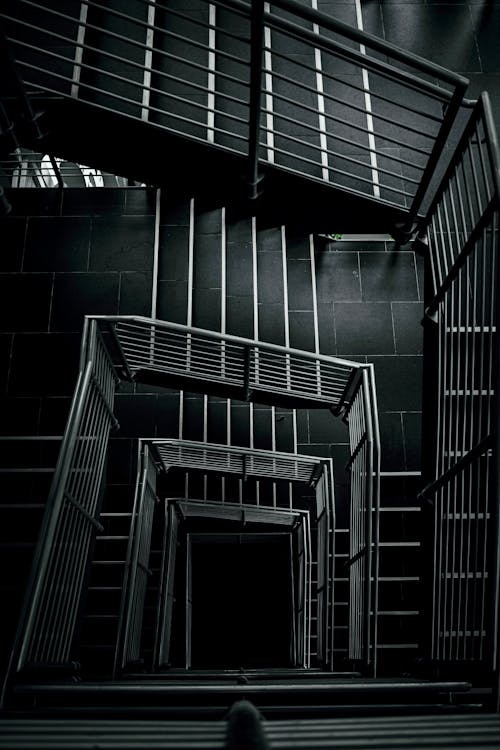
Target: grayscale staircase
286	105
263	126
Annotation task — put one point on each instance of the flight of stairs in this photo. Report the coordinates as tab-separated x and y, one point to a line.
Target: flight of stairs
231	275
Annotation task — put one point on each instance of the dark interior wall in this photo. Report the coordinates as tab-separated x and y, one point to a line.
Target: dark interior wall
63	255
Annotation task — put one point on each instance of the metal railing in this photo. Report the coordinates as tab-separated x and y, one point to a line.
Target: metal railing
283	85
246	463
26	168
462	233
115	347
169	353
364	468
49	617
137	569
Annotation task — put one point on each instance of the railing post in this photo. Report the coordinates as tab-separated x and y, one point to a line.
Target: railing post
403	233
256	58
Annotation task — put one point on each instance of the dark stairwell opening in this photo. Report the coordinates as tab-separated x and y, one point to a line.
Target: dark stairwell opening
241	608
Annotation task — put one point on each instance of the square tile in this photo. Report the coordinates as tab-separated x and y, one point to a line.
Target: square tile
441	33
207	309
53	415
124	244
299	284
59	354
297	247
388	277
119	463
326	328
167	415
135	293
239	316
57	243
301	330
239	269
398	382
193	416
79	294
238	231
12	231
272	323
217	420
172	301
269	240
338	277
35	202
325	428
209	222
174	253
412	428
240	423
25	301
363	328
136	414
408	330
269	277
174	212
140	201
262	427
207	271
392	443
93	202
284	430
20	416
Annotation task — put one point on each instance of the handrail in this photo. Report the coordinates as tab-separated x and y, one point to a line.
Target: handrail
47	624
272	142
364	468
294	467
462	229
229	338
429	491
151	459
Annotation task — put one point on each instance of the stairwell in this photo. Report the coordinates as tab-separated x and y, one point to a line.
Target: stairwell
258	271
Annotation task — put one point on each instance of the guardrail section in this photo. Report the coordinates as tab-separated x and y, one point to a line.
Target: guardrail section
246	463
47	629
172	354
463	238
364	467
280	83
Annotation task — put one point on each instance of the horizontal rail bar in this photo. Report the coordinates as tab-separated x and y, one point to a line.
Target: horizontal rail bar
465	461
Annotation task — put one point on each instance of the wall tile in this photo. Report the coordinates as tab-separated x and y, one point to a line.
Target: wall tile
80	294
57	244
122	244
12	231
25	301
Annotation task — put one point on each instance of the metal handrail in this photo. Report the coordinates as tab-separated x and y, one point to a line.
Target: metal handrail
364	468
47	624
152	459
253	461
253	369
245	133
462	232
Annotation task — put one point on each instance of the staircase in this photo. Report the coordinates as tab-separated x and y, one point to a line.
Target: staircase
285	104
240	354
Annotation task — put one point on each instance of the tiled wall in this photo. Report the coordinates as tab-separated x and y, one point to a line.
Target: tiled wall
63	256
372	296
